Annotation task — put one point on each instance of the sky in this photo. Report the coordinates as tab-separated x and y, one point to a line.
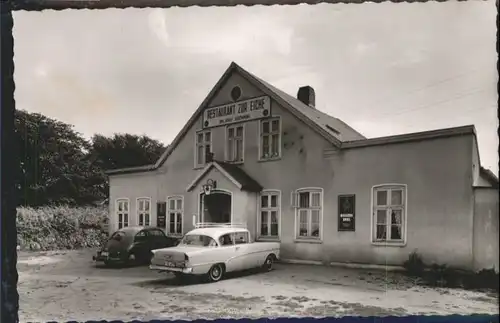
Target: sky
384	69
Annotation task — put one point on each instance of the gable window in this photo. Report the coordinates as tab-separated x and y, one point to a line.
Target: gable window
308	215
389	213
203	147
175	214
270	138
234	145
270	207
144	211
122	211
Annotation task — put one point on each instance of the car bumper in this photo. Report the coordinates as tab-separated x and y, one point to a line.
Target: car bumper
187	270
100	258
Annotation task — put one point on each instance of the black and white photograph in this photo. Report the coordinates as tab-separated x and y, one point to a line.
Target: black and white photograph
324	160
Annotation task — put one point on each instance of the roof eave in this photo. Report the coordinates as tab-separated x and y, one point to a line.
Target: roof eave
195	115
335	141
130	170
417	136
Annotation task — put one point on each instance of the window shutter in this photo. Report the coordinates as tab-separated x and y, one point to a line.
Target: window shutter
294	199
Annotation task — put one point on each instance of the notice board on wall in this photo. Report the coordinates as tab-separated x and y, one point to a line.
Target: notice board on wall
161	215
347	212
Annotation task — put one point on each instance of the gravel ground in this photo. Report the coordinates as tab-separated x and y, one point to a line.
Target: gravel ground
63	286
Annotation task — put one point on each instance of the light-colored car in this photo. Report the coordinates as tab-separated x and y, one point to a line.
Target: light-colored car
213	250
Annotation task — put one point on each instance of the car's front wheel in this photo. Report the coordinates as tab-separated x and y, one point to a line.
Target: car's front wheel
215	273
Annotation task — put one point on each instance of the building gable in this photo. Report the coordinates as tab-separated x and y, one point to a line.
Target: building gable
332	129
220	94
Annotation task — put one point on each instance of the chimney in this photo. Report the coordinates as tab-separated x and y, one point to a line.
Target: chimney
307	96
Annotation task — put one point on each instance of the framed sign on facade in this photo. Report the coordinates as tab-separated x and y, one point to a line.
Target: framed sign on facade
347	212
161	215
246	110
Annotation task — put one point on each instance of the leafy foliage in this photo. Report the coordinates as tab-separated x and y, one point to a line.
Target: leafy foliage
438	275
61	227
414	265
125	150
53	167
59	167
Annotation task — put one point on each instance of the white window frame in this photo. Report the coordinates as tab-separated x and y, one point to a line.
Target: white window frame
232	142
176	211
123	213
203	143
145	214
269	193
296	204
270	134
404	214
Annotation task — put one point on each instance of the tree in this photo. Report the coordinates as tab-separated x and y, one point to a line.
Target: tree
58	166
125	150
53	168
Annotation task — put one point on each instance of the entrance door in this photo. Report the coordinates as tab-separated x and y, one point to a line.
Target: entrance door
216	207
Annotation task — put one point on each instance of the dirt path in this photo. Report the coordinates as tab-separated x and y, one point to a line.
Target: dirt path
68	286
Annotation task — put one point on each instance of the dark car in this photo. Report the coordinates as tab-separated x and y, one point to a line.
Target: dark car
133	245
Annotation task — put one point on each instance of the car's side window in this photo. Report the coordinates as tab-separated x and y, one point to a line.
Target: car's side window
226	240
241	237
140	236
156	233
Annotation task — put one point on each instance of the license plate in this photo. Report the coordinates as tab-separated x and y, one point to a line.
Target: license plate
104	254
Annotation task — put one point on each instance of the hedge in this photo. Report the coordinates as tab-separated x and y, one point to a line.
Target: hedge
61	227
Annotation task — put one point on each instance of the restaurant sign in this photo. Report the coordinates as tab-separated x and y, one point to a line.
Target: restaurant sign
246	110
347	215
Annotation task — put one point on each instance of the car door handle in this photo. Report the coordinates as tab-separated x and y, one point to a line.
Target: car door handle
237	248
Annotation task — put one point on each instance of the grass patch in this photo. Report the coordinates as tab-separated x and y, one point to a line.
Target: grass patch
60	228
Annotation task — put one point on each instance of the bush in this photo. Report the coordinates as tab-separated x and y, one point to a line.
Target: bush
414	265
56	228
484	279
437	275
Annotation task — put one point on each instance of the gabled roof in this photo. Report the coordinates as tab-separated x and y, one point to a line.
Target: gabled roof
332	129
233	172
334	126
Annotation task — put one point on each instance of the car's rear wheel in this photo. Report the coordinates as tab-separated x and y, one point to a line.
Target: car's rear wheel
215	273
268	263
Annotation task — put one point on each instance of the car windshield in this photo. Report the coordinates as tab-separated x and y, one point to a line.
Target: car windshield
198	240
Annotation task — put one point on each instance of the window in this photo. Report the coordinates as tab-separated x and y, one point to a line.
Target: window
156	233
234	145
270	138
309	204
203	147
144	211
122	212
141	236
198	240
270	203
241	237
226	240
389	213
175	212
